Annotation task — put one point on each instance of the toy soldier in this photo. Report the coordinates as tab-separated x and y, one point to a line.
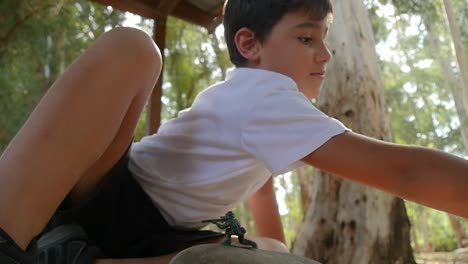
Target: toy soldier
231	225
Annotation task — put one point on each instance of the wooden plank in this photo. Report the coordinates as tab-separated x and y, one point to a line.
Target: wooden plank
190	13
149	9
131	6
153	118
167	6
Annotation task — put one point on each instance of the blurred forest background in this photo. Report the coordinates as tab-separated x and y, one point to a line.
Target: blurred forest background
421	61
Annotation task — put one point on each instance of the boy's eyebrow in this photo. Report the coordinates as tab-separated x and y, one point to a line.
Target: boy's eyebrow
311	24
308	24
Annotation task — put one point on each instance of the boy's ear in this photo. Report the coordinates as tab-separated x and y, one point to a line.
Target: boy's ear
247	44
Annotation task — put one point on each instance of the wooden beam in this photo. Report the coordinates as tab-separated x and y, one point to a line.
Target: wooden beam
149	9
132	6
219	10
167	6
153	117
217	20
190	13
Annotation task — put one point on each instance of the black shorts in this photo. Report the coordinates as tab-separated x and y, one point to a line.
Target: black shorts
122	221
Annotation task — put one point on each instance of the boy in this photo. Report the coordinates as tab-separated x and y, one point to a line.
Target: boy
257	123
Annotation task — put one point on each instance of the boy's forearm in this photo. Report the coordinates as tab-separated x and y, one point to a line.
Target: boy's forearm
436	179
426	176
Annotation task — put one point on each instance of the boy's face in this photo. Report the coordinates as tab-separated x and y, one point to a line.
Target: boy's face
295	47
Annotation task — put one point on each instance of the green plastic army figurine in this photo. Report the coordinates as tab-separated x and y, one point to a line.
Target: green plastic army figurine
231	225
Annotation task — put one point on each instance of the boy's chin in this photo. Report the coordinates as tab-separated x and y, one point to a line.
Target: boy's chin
310	90
312	94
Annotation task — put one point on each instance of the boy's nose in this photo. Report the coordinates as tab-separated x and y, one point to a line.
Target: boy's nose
323	55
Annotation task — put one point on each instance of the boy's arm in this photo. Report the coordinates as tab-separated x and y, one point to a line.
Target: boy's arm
265	212
423	175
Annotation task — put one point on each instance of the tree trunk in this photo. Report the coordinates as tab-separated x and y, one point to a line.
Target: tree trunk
427	245
456	87
305	186
458	230
414	238
3	136
457	42
453	82
346	222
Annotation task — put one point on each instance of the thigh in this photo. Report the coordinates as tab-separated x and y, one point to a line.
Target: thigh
93	175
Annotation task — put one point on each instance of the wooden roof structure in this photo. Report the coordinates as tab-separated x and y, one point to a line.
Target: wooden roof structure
205	13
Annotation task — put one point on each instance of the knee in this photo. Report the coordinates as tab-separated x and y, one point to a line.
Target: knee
135	42
271	245
136	48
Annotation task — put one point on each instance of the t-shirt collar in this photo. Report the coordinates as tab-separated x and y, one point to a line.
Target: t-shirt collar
235	72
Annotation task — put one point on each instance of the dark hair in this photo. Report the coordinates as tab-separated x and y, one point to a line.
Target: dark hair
261	16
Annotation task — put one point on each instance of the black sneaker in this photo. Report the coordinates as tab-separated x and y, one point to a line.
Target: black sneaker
65	244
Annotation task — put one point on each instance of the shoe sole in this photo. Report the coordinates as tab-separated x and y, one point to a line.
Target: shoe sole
61	234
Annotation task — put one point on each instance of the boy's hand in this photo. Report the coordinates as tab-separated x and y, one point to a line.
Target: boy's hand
423	175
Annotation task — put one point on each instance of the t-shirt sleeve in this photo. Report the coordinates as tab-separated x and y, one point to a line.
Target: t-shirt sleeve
284	127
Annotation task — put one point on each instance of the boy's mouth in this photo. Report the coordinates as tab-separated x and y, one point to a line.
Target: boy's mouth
320	75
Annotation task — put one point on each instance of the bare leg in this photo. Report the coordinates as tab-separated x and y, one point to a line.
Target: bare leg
79	129
262	242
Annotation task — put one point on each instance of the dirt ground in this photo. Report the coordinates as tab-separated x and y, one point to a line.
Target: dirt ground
459	256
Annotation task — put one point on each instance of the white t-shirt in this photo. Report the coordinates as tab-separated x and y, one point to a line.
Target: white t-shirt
235	136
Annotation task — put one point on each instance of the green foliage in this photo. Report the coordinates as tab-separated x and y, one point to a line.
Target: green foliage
418	6
38	39
193	62
432	228
288	196
460	6
461	10
420	103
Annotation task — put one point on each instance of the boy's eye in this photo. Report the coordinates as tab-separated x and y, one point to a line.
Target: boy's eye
305	40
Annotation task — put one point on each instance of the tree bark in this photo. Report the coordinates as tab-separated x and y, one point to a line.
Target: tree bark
427	245
456	87
346	222
453	82
305	186
457	42
458	230
414	238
